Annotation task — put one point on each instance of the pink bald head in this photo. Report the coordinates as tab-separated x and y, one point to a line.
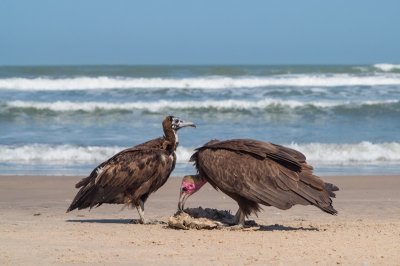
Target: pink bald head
190	185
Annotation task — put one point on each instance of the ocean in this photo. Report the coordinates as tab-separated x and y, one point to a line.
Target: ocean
64	120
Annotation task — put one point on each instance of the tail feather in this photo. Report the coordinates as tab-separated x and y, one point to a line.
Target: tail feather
84	198
320	199
330	188
83	182
81	199
91	195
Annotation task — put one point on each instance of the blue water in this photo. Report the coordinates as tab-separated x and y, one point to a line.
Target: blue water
64	120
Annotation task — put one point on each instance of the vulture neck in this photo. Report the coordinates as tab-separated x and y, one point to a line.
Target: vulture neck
171	139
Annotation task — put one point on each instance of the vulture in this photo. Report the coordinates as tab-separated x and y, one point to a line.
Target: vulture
130	176
254	172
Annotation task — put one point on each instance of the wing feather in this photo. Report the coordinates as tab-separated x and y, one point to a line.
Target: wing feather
287	157
238	168
130	168
132	172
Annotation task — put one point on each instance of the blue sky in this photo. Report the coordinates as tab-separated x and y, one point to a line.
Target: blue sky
199	32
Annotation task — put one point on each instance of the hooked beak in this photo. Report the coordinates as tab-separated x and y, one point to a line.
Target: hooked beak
183	123
182	200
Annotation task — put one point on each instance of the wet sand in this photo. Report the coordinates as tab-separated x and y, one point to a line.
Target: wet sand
36	230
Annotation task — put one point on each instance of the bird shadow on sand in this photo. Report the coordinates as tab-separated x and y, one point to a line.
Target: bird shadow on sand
115	221
278	227
105	221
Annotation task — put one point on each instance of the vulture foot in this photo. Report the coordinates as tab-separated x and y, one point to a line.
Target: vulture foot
149	221
237	227
239	218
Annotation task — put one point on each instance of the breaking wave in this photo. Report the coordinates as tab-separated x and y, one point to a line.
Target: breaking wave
45	153
210	82
362	152
387	67
322	152
163	105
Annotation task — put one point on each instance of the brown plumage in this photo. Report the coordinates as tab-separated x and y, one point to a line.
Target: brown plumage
131	175
254	172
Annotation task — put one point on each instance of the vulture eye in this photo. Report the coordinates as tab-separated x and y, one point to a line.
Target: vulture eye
184	189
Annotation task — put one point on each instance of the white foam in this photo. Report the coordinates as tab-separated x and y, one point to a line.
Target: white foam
214	82
64	106
361	152
323	152
183	154
55	154
45	153
387	67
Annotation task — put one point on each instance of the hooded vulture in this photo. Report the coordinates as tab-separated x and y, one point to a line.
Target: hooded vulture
254	172
131	175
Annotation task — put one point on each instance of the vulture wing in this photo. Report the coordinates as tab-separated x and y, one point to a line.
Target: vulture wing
289	158
128	175
261	172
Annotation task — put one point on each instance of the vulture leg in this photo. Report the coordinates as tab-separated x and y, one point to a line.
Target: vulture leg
142	206
140	209
238	220
143	220
237	217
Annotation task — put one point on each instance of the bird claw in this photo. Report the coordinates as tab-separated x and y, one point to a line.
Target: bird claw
150	221
237	227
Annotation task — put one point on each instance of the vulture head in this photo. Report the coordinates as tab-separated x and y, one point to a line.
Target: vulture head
190	185
171	125
175	123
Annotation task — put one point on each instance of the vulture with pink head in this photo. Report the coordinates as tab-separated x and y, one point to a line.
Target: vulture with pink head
130	176
254	172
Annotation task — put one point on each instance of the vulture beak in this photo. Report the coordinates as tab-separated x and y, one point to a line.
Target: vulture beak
183	123
182	199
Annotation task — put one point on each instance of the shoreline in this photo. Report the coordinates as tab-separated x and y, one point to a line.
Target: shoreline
35	228
321	169
182	175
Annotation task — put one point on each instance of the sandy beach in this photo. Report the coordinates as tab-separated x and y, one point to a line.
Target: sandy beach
36	230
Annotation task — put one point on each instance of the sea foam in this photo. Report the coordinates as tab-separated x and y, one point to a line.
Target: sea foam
323	152
157	106
45	153
362	152
211	82
386	67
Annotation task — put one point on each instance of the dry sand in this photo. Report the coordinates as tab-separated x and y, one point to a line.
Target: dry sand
35	230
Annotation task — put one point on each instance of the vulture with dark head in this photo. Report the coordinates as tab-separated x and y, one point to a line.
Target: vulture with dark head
131	175
254	172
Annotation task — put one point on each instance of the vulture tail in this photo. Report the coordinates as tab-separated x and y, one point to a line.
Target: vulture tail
83	182
91	195
81	199
330	188
328	209
320	199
